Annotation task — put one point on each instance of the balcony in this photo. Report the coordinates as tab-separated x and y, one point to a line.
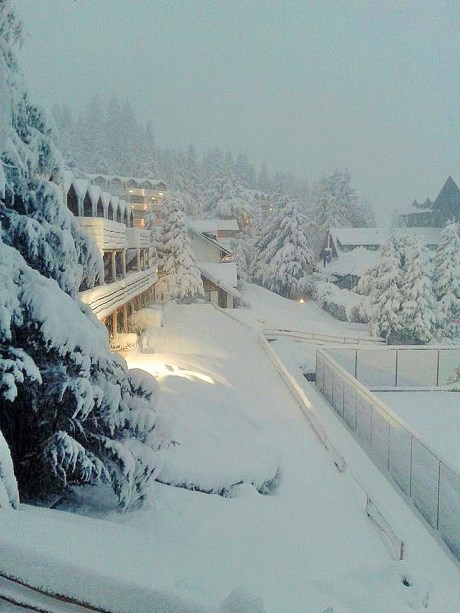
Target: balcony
106	233
105	299
137	238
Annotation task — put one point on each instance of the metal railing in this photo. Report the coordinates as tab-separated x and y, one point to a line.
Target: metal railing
405	366
425	478
319	336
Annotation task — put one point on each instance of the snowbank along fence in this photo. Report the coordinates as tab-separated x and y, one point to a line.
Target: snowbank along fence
393	542
424	477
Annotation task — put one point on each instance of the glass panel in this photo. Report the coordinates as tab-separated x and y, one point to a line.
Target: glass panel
345	357
349	406
328	383
425	476
363	419
417	367
449	360
380	438
400	456
449	506
338	394
319	372
376	367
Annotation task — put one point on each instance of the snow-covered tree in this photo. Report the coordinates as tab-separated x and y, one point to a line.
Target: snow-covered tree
70	411
335	205
227	199
180	278
417	297
283	255
446	280
384	304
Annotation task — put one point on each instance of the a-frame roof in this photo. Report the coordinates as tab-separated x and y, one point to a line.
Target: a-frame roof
448	197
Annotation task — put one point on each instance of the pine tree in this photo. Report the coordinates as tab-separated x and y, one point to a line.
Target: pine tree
417	297
283	253
70	411
384	310
335	205
180	278
227	199
446	280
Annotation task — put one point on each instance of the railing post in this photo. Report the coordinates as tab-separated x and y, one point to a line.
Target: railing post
396	367
437	370
439	490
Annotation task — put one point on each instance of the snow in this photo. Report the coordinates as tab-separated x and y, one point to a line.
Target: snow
353	262
434	415
213	226
307	546
378	236
223	274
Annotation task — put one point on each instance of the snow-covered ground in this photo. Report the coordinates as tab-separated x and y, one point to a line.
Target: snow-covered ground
304	543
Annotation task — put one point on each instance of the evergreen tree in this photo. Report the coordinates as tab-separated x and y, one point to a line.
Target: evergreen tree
70	411
446	280
384	311
335	205
417	297
180	278
283	253
228	200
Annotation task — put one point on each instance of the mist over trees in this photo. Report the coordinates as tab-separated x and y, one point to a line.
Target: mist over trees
108	138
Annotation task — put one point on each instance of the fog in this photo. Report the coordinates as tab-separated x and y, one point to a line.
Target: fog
304	86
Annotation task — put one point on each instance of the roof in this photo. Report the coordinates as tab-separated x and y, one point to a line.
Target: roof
448	195
216	243
124	179
223	275
353	262
377	236
213	225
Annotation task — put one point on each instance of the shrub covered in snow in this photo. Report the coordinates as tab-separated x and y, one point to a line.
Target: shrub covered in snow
343	304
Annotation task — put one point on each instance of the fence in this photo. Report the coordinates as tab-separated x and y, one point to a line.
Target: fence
399	366
426	479
322	338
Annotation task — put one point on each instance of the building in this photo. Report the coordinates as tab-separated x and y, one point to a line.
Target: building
144	194
445	207
217	267
356	249
130	271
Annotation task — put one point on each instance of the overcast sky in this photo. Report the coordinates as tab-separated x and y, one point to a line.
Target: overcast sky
302	85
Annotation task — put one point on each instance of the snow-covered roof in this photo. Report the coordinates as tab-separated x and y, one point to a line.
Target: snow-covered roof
124	179
413	211
213	225
223	275
214	242
80	186
94	193
353	262
377	236
105	198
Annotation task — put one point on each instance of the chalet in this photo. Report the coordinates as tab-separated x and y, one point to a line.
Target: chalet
343	240
445	207
355	249
218	270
